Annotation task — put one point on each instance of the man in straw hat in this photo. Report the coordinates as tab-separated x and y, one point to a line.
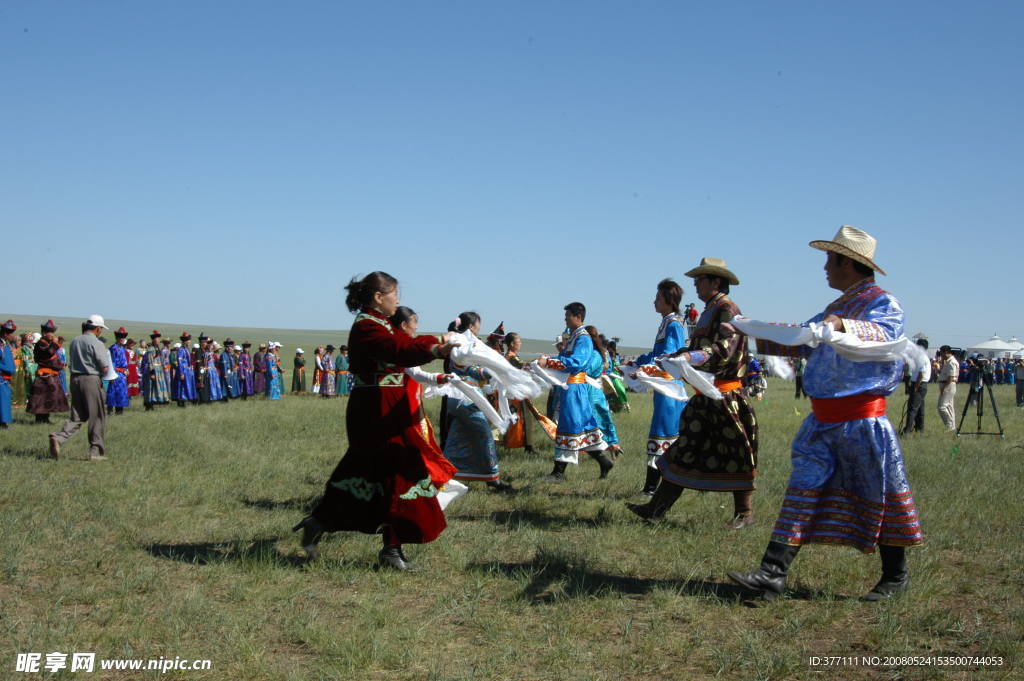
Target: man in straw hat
848	485
89	361
717	445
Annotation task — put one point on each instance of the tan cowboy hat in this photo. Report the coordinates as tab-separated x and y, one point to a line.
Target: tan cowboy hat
715	267
853	243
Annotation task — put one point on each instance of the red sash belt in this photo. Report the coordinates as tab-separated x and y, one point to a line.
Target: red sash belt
121	371
44	371
852	408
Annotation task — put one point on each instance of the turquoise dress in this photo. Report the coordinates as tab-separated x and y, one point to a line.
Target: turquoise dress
273	378
602	412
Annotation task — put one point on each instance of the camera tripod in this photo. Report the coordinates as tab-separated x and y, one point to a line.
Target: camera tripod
977	396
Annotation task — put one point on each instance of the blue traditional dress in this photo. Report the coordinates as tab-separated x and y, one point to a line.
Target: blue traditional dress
213	384
577	427
117	391
63	374
470	443
183	388
602	412
7	370
273	384
848	484
229	374
671	337
154	383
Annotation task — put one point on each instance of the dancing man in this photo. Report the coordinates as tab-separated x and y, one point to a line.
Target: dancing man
716	450
848	484
577	426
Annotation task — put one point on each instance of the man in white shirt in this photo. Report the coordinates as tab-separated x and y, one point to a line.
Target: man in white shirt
949	372
916	391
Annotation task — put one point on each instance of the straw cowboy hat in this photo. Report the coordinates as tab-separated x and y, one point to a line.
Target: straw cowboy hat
714	267
853	243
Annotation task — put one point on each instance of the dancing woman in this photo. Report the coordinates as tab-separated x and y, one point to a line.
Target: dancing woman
469	444
598	365
671	338
381	485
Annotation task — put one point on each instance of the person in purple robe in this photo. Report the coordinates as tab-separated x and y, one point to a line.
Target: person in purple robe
245	371
259	365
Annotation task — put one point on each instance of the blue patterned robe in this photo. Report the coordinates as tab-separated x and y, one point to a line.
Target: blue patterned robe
470	443
229	374
154	383
671	337
848	484
117	391
7	369
577	427
213	376
183	388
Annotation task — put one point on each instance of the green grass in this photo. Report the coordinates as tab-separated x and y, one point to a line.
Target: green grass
179	545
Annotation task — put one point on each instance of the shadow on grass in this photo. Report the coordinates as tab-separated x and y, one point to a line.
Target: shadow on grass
303	504
533	519
552	579
256	550
40	452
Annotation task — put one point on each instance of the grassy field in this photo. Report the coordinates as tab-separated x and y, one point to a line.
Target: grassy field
179	546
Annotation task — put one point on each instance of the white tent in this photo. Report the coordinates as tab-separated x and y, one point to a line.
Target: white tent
993	347
1018	350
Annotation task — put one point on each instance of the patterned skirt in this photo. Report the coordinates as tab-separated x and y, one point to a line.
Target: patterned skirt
469	445
717	445
848	486
48	396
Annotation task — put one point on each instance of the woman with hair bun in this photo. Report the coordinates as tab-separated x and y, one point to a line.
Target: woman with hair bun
381	485
469	442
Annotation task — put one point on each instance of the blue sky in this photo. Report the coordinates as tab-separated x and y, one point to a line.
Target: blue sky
236	163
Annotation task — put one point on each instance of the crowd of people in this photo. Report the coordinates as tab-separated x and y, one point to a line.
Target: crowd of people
848	485
159	372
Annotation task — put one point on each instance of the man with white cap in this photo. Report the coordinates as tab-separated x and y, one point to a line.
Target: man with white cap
848	484
88	360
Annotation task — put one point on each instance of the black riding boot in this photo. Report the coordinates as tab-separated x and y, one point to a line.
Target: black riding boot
651	483
312	532
603	461
655	509
895	576
770	578
558	472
